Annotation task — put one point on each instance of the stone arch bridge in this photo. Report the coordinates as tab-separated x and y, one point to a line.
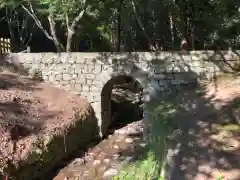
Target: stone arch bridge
92	75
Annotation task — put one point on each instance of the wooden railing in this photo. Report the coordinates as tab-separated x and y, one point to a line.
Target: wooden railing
5	45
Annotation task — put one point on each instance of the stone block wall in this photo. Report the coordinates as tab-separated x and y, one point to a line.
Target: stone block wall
87	73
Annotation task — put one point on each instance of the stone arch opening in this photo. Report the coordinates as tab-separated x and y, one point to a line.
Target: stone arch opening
121	100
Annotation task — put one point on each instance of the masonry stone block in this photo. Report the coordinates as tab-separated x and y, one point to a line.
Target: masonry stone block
99	84
170	76
90	76
60	67
90	98
73	81
175	82
74	76
69	70
81	80
159	76
58	77
54	72
97	68
67	77
85	88
158	70
96	96
79	67
51	78
72	85
78	74
89	81
78	87
162	83
95	89
86	69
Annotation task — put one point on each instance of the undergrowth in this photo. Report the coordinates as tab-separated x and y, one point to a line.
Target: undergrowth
151	165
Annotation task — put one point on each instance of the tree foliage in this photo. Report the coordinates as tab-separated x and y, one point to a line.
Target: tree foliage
137	24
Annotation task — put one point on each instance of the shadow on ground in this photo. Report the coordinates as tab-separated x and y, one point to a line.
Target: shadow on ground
205	151
14	107
195	134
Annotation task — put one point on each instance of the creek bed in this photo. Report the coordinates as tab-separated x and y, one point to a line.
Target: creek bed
105	159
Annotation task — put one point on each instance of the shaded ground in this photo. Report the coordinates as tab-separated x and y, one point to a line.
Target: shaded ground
206	142
28	109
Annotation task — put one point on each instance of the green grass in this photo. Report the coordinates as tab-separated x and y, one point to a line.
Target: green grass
152	162
220	177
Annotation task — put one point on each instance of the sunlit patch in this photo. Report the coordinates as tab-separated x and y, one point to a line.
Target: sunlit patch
229	127
225	141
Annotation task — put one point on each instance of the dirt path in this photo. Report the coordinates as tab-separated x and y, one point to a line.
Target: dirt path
208	138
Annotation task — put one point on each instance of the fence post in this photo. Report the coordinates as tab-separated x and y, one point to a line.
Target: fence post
5	45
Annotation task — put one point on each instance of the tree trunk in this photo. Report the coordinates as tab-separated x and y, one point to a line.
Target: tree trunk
14	42
52	24
152	47
71	29
171	29
69	40
53	36
193	37
118	30
193	25
11	22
